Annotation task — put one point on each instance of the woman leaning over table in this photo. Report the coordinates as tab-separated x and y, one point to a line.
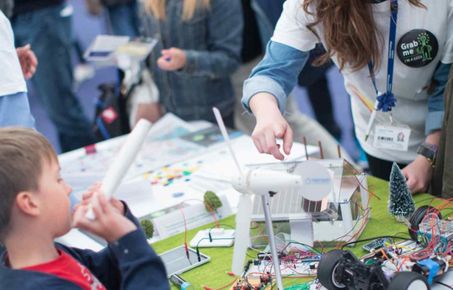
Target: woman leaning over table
356	35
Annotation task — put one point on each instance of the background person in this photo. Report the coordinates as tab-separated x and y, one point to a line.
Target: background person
198	51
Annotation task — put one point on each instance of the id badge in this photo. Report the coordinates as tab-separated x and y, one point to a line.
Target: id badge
391	137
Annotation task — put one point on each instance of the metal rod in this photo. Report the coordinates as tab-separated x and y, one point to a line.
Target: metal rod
305	147
270	233
321	153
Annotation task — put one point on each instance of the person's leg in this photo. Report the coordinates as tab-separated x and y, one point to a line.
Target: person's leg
381	168
314	79
321	102
49	33
243	120
124	19
229	121
15	111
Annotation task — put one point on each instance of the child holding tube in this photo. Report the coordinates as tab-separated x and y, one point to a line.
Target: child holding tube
35	209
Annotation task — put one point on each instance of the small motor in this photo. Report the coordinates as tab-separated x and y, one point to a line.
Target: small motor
431	268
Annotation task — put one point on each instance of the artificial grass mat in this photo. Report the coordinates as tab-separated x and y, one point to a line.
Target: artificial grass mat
214	273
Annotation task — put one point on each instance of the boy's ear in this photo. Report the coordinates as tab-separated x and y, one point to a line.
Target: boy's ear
27	203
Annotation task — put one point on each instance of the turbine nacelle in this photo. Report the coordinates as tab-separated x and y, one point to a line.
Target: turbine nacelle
262	181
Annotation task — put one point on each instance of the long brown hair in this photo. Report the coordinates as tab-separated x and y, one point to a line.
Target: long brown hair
349	31
157	8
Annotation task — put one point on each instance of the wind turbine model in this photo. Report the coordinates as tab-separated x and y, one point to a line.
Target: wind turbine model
264	183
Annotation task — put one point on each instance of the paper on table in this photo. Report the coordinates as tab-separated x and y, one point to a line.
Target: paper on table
190	215
79	240
219	165
138	195
104	46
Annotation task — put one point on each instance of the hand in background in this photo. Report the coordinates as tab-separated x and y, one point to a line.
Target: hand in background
418	174
110	222
27	60
270	125
172	59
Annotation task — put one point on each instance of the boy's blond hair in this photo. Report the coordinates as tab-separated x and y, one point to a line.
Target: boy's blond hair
22	155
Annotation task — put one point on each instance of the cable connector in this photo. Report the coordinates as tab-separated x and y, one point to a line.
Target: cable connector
186	249
198	255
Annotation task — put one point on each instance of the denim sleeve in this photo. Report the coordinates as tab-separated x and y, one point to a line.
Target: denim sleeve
436	105
128	263
275	74
223	55
15	111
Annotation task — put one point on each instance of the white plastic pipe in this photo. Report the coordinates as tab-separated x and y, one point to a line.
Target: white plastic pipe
124	160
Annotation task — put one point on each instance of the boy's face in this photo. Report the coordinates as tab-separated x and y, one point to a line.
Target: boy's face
54	199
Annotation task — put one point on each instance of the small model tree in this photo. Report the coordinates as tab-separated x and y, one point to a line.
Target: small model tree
211	201
401	205
147	227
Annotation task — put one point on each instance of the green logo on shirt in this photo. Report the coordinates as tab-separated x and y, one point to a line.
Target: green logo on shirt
417	48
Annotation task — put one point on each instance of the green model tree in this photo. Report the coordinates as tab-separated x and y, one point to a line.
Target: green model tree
401	205
211	201
148	228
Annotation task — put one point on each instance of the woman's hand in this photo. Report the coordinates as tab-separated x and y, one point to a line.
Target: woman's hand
418	174
270	125
172	59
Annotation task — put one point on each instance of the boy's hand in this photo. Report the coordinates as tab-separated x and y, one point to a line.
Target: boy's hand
109	224
87	196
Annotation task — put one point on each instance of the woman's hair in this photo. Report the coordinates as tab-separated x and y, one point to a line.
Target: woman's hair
157	8
349	31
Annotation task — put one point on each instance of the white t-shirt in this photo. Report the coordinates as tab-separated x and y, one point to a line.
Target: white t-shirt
11	77
409	83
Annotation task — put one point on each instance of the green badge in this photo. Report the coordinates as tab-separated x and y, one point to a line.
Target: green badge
417	48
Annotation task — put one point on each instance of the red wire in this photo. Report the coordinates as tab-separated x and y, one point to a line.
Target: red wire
212	212
186	248
355	171
222	287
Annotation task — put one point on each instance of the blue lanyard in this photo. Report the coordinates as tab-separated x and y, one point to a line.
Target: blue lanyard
386	101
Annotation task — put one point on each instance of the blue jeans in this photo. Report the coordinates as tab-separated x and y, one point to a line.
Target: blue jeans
15	111
48	30
124	19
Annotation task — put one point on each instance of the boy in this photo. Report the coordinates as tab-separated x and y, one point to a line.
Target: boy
35	209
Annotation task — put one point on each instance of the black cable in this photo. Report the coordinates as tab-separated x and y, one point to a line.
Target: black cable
374	238
443	284
214	227
198	254
197	248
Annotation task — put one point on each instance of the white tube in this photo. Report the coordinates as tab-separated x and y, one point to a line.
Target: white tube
124	160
